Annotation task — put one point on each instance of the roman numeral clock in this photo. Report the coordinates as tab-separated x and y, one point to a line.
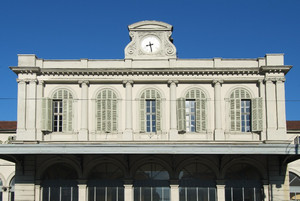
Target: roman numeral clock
150	40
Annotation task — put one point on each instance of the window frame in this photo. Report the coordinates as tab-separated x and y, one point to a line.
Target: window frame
57	121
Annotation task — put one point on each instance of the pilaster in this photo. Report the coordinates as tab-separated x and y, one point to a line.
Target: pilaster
220	190
21	109
270	108
127	135
39	95
128	191
262	94
174	190
38	190
82	190
266	190
280	101
219	132
83	133
173	115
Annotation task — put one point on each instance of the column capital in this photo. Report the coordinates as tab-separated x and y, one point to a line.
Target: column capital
125	82
83	82
21	81
270	79
260	81
280	79
32	81
217	81
172	82
41	82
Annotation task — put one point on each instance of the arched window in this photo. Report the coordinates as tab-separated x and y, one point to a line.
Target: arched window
243	183
59	183
107	111
150	111
294	186
246	113
192	112
58	112
105	182
12	190
151	183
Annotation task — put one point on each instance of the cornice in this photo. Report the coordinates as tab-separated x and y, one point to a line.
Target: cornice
275	69
148	71
20	69
153	71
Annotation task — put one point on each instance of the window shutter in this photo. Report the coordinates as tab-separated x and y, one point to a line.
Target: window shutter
67	115
47	114
158	114
235	114
142	115
256	112
238	114
114	115
98	115
181	122
200	115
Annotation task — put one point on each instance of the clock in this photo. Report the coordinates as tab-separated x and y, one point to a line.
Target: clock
150	44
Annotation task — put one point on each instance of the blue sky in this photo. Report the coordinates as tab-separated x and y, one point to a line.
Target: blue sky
71	29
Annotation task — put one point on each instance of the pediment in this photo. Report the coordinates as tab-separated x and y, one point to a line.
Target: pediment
150	25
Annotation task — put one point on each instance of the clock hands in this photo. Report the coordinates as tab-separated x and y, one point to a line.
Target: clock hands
150	45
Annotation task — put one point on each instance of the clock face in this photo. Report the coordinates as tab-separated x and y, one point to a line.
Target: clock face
150	44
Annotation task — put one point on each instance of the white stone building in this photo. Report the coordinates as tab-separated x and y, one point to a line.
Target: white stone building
151	127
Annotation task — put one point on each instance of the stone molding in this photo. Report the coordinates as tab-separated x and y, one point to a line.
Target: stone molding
219	81
125	82
172	82
80	82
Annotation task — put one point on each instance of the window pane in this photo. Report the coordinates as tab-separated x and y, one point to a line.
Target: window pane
54	195
66	193
212	194
237	194
249	194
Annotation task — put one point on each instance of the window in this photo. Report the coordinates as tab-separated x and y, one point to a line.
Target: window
190	115
150	116
191	112
59	183
246	115
57	115
197	183
150	111
294	186
243	183
57	112
106	183
245	112
106	115
151	183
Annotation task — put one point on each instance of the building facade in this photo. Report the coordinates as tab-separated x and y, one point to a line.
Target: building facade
151	126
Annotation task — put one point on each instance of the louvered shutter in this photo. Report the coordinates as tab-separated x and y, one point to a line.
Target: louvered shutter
142	115
67	115
235	114
158	115
257	114
114	115
200	115
47	114
181	122
98	115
